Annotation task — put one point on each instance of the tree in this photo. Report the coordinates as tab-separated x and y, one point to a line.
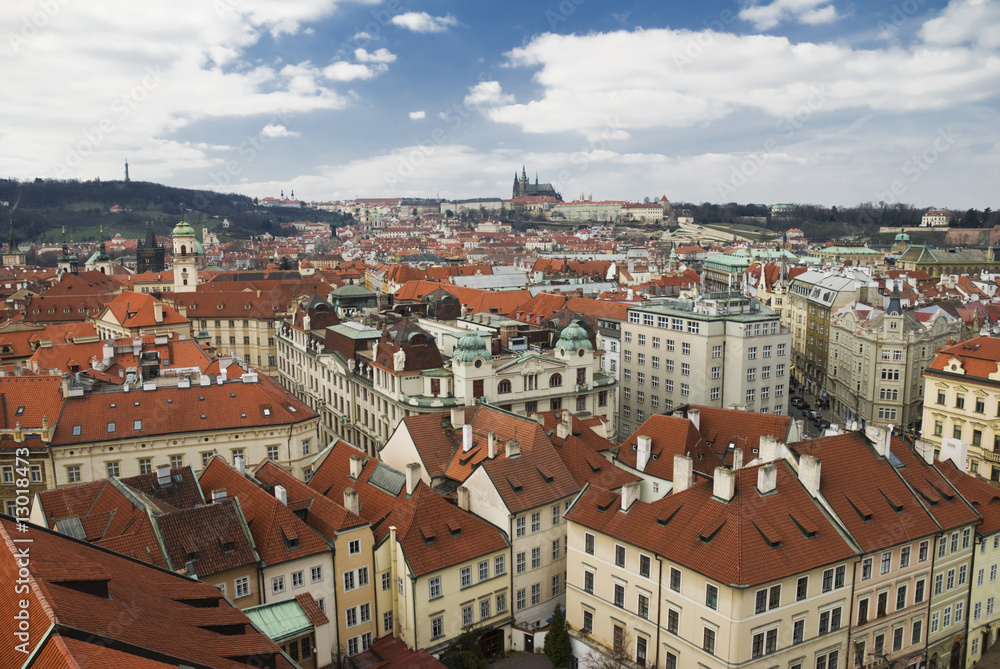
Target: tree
285	263
557	645
616	657
465	652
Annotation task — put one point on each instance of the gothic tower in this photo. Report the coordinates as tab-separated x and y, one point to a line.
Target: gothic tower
149	255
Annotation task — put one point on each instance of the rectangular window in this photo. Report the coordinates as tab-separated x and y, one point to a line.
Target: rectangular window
242	587
708	641
798	631
484	570
277	584
904	557
675	579
711	596
536	558
521	564
673	621
501	603
499	565
520	525
434	586
918	591
886	563
801	588
900	597
465	574
619	556
298	578
917	633
644	565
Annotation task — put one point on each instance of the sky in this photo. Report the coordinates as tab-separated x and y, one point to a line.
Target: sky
828	102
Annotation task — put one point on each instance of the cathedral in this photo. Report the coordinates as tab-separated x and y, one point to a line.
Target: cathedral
524	188
149	255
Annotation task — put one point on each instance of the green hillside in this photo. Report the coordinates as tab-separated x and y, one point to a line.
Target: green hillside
46	206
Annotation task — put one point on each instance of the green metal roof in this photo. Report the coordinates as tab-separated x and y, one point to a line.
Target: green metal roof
281	620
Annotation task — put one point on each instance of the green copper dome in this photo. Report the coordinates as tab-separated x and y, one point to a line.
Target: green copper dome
182	229
470	347
573	337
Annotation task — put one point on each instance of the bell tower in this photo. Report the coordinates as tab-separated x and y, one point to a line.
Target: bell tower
186	250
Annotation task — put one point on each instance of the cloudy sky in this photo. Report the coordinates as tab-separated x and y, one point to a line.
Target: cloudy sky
831	102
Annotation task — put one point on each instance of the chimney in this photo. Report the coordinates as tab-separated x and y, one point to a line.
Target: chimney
737	458
466	438
158	311
809	470
767	478
955	450
238	465
351	501
463	498
513	449
879	438
630	493
281	494
457	417
355	467
694	415
643	447
769	448
538	418
562	431
683	472
412	477
218	495
492	445
925	449
724	485
163	475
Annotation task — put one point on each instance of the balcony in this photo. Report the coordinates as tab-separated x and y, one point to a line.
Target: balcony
991	456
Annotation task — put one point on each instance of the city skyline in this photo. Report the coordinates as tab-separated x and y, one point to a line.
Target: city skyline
807	101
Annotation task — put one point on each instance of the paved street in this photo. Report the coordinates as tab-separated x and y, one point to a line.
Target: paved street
811	429
523	661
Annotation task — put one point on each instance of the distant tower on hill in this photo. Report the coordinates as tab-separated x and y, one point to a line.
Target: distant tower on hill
126	171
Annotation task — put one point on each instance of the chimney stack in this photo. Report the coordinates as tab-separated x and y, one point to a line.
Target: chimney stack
351	501
457	417
163	475
724	485
281	494
491	441
925	449
644	446
809	471
355	467
466	438
412	477
767	478
158	311
463	498
239	466
769	448
513	449
737	458
683	472
694	415
630	494
538	418
218	495
879	438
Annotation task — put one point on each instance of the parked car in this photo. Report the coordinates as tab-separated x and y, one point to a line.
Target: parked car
813	414
822	423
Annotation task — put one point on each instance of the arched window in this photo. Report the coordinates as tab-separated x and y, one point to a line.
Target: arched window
503	387
555	380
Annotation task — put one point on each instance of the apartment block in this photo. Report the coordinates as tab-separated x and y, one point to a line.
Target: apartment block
716	351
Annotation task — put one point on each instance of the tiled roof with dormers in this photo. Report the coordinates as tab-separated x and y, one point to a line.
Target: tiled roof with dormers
670	436
174	354
940	498
214	537
538	477
28	401
151	616
64	308
325	515
983	497
587	465
978	358
878	509
435	534
333	476
749	540
278	534
137	310
720	427
233	405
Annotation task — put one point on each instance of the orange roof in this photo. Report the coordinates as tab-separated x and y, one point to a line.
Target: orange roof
137	310
979	358
324	514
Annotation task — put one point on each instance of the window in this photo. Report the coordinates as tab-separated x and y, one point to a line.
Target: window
434	585
675	579
946	618
555	585
959	404
386	581
882	606
863	611
467	618
112	468
354	547
918	591
708	641
619	556
588	581
962	574
752	353
644	565
900	597
272	452
277	584
501	603
521	599
711	596
387	621
886	563
520	526
484	609
685	349
959	611
673	621
922	551
242	587
437	627
499	565
801	588
966	537
298	578
536	558
716	351
716	372
588	621
779	370
643	606
751	374
904	557
466	576
917	633
556	550
484	570
521	563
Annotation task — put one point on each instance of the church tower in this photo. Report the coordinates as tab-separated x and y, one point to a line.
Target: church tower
68	262
149	255
13	256
186	252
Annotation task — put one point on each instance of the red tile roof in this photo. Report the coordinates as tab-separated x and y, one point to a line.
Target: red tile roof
983	497
979	357
720	426
141	611
325	515
671	436
862	503
750	540
136	310
271	523
949	509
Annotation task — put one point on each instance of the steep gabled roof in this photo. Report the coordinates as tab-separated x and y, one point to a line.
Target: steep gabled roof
325	515
671	436
750	540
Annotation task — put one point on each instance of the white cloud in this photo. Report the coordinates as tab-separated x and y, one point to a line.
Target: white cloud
377	56
422	22
417	115
344	71
975	22
680	79
812	12
272	130
487	93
